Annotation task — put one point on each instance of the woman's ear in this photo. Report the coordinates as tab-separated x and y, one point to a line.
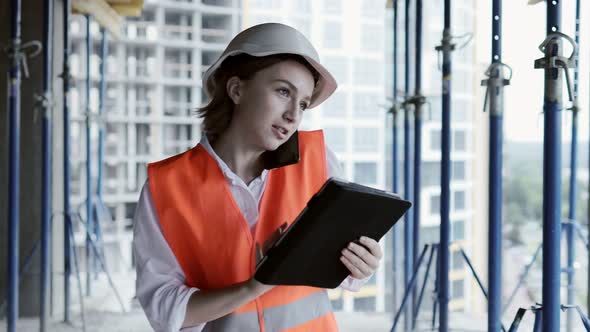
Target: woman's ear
233	89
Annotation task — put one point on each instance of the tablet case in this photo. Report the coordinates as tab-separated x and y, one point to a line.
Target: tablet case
308	253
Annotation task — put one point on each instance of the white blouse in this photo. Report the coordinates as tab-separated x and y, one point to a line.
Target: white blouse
160	283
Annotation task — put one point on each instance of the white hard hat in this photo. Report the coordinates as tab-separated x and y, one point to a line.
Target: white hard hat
275	38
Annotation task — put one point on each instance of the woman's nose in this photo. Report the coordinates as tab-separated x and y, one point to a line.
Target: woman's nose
292	113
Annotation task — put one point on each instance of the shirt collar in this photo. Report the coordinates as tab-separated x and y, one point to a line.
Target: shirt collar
227	172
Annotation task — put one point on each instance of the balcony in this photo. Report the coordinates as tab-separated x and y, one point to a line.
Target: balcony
177	33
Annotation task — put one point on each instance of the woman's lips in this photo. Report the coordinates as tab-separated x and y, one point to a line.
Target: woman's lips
280	132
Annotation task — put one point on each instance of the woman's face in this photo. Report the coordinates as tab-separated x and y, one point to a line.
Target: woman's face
270	105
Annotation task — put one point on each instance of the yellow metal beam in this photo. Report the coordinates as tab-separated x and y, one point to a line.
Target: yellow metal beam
102	12
127	7
108	13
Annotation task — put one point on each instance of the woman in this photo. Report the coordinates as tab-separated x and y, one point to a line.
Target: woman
203	215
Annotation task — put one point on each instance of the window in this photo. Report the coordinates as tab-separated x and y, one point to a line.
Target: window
336	139
365	304
370	10
115	143
335	106
143	139
337	304
431	173
366	139
213	28
178	26
429	234
366	105
338	66
332	35
457	290
458	230
460	140
371	38
177	101
368	71
459	171
435	140
177	64
457	260
435	204
459	200
144	100
365	172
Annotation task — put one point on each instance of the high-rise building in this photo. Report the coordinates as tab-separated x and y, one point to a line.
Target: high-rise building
153	87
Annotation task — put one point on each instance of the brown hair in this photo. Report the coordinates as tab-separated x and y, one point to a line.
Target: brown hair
217	114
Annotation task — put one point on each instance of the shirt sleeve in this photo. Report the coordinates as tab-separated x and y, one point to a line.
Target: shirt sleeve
335	170
160	284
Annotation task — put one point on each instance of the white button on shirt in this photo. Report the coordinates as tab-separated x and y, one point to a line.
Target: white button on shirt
160	283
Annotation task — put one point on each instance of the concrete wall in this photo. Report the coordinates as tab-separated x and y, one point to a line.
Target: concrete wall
30	163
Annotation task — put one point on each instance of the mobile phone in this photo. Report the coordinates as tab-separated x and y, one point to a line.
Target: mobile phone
286	154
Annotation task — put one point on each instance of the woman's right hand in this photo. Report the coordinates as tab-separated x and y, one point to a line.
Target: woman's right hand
205	306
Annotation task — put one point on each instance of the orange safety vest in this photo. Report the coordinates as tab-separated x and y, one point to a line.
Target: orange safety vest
212	241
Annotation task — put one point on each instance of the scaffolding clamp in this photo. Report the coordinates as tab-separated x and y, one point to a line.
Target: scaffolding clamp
445	46
43	102
66	76
19	52
496	80
553	59
417	100
394	109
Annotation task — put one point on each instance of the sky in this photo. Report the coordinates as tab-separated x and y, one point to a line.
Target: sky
523	31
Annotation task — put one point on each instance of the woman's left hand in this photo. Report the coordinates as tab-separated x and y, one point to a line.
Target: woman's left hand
362	260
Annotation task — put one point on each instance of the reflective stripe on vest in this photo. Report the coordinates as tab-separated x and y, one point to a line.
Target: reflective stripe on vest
290	315
277	318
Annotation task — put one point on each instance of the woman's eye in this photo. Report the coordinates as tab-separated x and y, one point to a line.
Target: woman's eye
284	92
303	106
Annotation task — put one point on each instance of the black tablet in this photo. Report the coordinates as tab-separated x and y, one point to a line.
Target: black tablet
308	253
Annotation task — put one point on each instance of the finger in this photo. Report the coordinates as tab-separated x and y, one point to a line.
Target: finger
354	271
365	269
373	246
364	254
283	228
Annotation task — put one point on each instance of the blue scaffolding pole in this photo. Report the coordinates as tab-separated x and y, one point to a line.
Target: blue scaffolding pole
89	221
101	97
99	205
46	168
446	47
570	230
66	159
408	248
495	95
551	170
395	184
14	166
418	101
